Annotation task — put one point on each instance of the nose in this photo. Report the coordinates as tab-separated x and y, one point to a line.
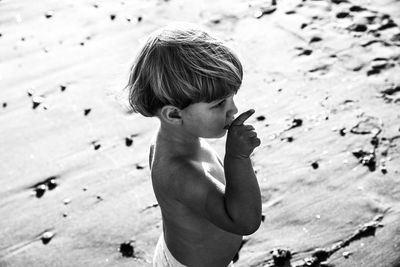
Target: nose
233	109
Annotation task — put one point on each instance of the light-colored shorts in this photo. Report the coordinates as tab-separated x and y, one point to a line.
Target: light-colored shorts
163	257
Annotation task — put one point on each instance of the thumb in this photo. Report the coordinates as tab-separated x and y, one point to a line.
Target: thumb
243	117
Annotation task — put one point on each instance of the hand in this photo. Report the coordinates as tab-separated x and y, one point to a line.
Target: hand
241	139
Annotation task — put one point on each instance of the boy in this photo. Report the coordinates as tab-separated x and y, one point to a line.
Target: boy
187	79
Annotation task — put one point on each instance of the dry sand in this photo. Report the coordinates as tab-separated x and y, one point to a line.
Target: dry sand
323	77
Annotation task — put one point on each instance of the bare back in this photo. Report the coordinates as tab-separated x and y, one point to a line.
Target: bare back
192	239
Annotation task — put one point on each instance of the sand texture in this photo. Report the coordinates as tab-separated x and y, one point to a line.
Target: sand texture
323	77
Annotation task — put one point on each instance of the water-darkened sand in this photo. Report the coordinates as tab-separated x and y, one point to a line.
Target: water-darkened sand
323	77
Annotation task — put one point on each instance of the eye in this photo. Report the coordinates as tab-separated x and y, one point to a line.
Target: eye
220	103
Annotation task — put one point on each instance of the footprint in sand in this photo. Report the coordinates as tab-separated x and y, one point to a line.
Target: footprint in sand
391	94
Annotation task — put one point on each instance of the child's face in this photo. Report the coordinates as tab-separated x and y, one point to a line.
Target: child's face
209	120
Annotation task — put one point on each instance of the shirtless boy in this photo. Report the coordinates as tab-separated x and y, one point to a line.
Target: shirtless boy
188	78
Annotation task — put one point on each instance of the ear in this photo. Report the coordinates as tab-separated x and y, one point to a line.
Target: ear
171	114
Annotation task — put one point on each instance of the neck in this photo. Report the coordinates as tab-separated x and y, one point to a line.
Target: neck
178	141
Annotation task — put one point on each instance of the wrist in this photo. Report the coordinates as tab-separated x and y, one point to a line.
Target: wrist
236	156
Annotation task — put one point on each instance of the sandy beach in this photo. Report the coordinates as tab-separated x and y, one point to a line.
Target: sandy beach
323	77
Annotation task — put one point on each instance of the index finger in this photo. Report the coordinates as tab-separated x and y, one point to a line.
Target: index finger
243	117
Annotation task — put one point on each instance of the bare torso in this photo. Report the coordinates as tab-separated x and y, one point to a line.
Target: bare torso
191	238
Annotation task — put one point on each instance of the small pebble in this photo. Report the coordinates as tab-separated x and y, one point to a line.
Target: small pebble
63	87
139	19
139	167
346	254
37	100
261	118
49	14
315	165
67	201
112	16
126	249
4	104
87	111
52	184
47	236
128	141
40	190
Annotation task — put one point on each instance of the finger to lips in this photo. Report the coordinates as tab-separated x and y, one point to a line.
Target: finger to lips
249	127
243	117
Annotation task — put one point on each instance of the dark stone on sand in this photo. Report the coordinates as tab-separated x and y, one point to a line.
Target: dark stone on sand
4	104
128	141
290	139
95	145
263	218
82	43
112	16
358	27
321	255
261	118
96	6
63	87
384	170
306	52
303	25
342	15
357	8
281	257
366	158
49	14
36	101
315	39
296	123
139	19
127	249
139	167
40	190
342	131
87	111
46	237
315	165
51	184
339	1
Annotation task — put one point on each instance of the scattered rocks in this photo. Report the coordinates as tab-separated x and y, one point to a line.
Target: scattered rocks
391	94
366	158
281	256
48	184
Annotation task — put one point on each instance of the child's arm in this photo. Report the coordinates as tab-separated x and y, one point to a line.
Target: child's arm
242	193
236	209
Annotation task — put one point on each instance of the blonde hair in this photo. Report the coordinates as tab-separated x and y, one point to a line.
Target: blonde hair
179	65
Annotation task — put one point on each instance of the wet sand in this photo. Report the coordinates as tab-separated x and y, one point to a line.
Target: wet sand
321	75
